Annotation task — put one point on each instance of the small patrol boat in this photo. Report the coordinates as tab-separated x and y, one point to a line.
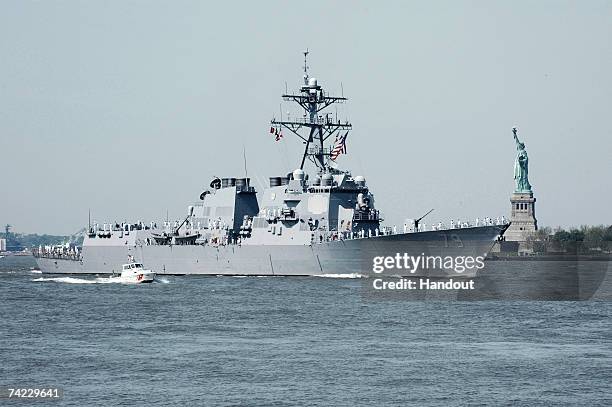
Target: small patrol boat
135	273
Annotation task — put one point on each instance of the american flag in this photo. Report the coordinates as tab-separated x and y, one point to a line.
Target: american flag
339	146
277	133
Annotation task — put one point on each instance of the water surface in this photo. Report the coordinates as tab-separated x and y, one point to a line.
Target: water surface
293	341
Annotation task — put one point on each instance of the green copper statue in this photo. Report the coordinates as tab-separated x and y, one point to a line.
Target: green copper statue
520	167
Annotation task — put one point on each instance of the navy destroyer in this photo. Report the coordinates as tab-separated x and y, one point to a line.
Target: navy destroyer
319	223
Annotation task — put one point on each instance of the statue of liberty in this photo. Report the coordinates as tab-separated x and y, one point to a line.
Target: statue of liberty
521	162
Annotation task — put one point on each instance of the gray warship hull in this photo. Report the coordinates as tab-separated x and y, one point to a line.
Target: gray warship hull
338	257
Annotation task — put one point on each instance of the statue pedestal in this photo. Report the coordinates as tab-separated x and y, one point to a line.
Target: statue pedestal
522	218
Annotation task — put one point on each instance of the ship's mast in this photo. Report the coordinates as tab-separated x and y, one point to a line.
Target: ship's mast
313	99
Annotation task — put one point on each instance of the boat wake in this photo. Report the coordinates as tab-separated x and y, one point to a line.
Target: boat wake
20	271
74	280
97	280
350	275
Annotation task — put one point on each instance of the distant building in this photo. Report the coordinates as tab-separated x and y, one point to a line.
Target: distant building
2	245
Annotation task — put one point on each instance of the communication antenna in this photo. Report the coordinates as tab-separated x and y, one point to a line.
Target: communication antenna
306	67
246	174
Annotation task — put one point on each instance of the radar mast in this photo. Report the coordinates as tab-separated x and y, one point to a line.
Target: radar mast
314	128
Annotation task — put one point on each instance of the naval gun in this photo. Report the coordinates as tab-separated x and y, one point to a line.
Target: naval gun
417	221
175	237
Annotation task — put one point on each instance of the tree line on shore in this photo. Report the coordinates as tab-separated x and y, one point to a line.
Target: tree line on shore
18	241
583	238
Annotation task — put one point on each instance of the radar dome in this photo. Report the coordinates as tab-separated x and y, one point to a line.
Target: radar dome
312	82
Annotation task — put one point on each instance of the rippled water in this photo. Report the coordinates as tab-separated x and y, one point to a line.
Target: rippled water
294	341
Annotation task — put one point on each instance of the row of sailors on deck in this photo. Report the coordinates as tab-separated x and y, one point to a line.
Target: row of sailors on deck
127	227
63	248
422	227
124	226
409	228
211	224
67	249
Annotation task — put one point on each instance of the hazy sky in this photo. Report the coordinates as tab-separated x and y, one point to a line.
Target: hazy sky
130	107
